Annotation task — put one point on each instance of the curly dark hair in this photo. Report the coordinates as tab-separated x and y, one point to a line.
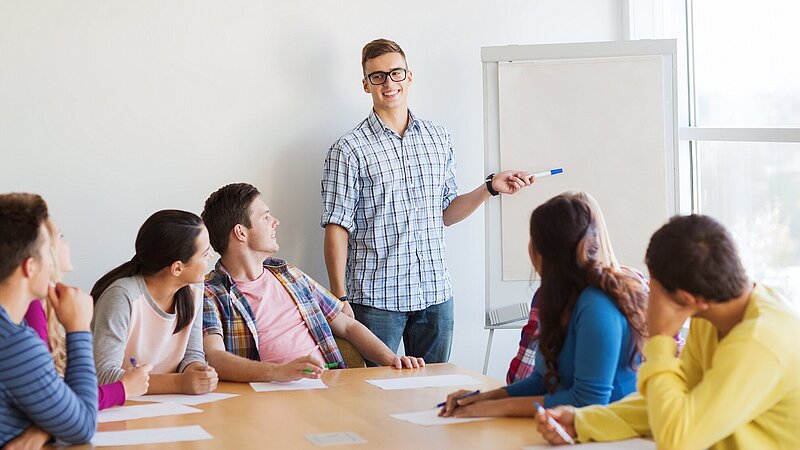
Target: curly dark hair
564	233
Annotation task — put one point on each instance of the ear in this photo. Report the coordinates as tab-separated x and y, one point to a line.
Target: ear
239	232
365	85
689	300
176	268
410	77
28	267
702	304
531	255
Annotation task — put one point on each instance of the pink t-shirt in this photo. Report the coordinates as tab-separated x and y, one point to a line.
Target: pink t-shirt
282	332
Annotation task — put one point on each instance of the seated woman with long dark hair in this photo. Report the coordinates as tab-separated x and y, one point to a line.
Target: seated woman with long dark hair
147	312
592	321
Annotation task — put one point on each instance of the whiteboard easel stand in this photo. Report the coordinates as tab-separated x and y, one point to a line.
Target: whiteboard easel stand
491	328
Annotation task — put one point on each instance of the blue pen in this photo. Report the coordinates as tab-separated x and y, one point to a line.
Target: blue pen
133	361
556	426
547	173
468	394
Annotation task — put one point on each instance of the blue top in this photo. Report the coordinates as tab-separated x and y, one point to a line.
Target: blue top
594	365
31	392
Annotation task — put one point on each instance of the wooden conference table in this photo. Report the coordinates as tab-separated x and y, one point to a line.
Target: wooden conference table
280	420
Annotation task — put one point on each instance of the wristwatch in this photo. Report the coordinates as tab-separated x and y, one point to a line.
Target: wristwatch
489	185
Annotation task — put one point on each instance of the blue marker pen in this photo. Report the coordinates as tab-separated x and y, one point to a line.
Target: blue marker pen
547	173
468	394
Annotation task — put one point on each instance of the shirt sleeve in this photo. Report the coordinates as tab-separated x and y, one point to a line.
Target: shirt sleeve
450	191
112	317
522	365
110	395
599	341
623	419
66	409
328	303
341	186
741	383
194	347
526	387
212	323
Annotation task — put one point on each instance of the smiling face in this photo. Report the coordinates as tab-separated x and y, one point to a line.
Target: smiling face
390	95
262	235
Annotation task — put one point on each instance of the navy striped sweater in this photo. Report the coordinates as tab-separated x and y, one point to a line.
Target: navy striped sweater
31	392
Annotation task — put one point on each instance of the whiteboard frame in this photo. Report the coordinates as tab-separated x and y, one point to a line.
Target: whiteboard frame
521	291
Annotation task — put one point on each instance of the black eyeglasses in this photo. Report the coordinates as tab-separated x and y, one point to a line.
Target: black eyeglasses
378	78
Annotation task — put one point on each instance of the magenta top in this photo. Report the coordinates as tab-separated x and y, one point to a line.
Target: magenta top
108	395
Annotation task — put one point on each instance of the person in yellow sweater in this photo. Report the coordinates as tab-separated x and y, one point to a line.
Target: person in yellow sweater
736	385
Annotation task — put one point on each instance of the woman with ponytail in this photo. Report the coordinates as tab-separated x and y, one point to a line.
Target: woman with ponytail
146	310
592	320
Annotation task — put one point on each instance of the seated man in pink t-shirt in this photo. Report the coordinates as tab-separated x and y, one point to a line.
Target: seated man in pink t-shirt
264	319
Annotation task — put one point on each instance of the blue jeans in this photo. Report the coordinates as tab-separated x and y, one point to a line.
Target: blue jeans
427	333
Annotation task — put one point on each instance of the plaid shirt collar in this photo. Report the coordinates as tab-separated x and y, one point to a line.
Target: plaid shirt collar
377	126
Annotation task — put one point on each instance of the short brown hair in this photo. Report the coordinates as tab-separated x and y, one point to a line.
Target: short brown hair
21	216
696	254
380	47
228	206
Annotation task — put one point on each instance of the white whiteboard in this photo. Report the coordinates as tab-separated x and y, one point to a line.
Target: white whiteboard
605	112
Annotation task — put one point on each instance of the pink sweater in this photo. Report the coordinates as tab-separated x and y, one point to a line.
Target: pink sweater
108	395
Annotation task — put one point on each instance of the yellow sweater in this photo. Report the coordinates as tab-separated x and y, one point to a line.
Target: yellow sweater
742	392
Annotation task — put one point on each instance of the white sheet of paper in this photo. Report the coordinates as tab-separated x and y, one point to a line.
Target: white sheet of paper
142	411
431	417
299	385
422	382
628	444
340	438
183	399
150	436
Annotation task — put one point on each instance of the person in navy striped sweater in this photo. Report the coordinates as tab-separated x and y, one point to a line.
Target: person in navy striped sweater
31	391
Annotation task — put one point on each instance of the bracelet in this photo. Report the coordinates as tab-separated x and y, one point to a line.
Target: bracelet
343	298
489	185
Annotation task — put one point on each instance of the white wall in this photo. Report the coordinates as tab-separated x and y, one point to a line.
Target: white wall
113	109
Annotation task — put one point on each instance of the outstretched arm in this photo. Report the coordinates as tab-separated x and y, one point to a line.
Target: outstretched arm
507	182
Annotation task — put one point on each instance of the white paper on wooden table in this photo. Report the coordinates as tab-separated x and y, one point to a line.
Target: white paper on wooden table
143	411
183	399
150	436
423	382
431	417
298	385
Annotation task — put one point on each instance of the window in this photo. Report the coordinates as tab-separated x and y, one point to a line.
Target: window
744	79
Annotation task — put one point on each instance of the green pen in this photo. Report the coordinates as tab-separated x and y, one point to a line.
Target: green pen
325	366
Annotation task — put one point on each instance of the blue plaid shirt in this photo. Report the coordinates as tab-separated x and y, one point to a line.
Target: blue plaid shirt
389	193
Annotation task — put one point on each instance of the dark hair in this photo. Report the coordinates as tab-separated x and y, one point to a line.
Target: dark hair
21	217
564	233
224	209
165	237
380	47
697	254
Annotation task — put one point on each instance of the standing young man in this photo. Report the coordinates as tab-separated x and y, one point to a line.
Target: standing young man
388	190
736	384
